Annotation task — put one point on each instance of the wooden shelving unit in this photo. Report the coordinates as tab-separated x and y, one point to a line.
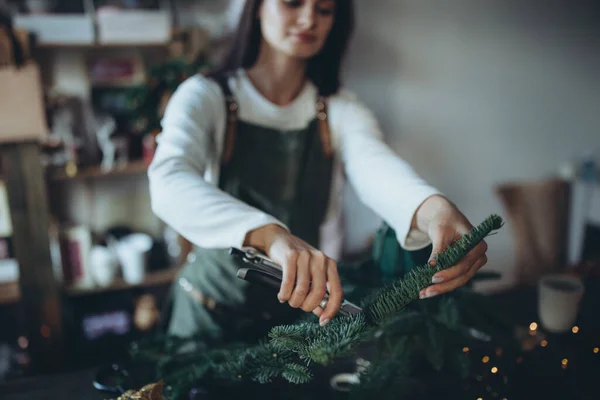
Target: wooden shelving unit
96	45
93	172
31	204
156	278
9	293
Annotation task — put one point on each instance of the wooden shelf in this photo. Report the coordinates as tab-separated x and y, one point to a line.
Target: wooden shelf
96	45
62	173
9	293
156	278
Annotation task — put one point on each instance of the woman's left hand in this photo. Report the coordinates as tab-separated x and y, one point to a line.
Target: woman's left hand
444	224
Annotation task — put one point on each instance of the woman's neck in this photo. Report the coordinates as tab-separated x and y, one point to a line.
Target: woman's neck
278	77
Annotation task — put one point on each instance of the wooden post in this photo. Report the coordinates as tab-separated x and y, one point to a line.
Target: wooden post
40	292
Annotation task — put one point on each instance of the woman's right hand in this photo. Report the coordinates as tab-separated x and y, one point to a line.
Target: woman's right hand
308	274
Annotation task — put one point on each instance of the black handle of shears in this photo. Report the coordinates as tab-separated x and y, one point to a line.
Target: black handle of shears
113	378
259	277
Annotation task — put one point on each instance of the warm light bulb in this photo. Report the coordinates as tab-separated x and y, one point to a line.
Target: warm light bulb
494	370
23	342
565	361
485	360
45	331
596	350
479	398
465	349
544	343
575	329
533	326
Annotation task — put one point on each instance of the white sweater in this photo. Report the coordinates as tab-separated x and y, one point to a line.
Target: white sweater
185	171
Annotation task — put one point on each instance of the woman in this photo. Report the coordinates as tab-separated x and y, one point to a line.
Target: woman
255	155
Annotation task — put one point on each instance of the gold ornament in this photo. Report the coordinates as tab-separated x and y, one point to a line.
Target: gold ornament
152	391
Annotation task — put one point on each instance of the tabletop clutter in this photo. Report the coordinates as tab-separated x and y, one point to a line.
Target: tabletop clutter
83	260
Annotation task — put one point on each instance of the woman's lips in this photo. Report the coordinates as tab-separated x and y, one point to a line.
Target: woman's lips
305	37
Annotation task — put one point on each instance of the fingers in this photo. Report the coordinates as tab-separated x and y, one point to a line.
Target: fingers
289	276
440	243
463	266
318	311
315	276
318	270
455	283
335	294
302	280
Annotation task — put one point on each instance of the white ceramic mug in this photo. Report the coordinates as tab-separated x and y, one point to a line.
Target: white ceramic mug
559	298
132	251
103	265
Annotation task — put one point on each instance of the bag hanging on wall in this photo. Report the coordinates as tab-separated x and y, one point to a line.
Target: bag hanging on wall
22	111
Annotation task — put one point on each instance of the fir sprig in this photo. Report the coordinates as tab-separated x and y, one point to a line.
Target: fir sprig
292	337
337	339
396	296
296	373
291	349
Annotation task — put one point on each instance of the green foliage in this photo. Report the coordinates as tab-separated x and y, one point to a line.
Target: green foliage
396	296
337	339
407	335
296	373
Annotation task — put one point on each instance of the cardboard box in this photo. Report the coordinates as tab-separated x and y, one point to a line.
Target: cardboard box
115	27
58	28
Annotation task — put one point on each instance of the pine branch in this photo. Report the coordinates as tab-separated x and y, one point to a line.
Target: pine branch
292	337
337	339
290	346
391	368
396	296
296	373
457	250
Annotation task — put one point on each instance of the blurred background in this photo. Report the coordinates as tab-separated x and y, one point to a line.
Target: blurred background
496	103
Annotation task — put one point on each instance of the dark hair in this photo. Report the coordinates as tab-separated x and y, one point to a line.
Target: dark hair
323	69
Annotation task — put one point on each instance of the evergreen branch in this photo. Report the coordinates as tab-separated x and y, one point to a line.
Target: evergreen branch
292	337
296	373
390	368
461	247
396	296
306	342
336	339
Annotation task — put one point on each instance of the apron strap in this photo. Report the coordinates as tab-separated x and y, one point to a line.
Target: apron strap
324	131
232	107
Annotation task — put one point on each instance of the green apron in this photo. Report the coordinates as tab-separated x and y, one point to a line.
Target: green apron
286	174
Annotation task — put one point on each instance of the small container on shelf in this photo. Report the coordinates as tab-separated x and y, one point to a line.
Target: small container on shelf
152	22
56	22
74	29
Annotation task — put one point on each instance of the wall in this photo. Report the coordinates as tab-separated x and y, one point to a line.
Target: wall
471	92
477	92
105	203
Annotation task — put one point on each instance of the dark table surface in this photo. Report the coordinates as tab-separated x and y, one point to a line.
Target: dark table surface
577	385
63	386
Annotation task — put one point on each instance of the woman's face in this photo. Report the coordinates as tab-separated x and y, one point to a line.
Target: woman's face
297	28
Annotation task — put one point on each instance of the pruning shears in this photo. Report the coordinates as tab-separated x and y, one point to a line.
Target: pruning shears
262	270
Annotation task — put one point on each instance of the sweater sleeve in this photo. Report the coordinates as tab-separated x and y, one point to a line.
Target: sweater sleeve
180	196
383	181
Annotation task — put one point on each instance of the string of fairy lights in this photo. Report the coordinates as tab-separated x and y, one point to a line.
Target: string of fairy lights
491	366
